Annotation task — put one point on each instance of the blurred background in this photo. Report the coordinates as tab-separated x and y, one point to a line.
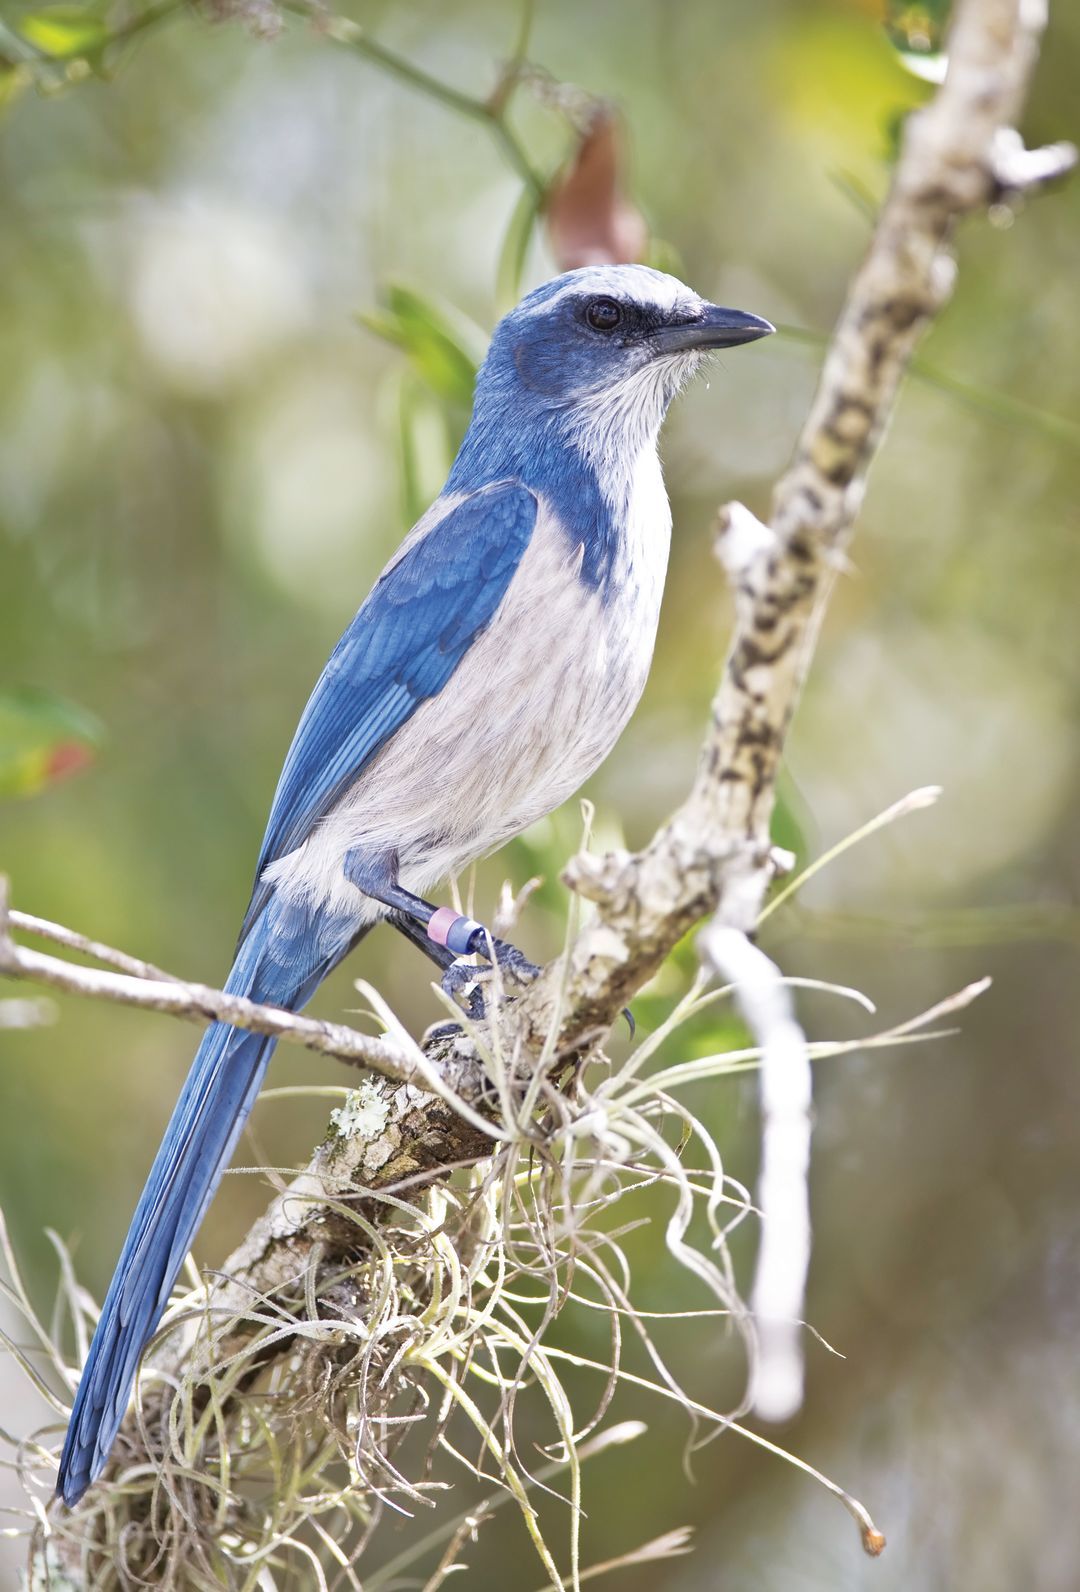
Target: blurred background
206	455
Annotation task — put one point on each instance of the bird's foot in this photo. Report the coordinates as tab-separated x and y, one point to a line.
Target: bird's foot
512	962
465	937
464	981
461	981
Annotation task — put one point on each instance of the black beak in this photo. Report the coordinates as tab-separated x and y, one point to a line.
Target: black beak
713	328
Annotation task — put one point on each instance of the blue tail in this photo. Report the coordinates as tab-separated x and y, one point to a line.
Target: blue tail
213	1106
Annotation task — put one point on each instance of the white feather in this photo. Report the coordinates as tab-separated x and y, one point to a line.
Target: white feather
535	706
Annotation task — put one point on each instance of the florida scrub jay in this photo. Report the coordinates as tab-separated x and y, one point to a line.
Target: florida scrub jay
488	673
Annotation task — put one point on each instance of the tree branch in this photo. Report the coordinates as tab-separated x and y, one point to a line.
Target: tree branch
714	853
776	1381
142	984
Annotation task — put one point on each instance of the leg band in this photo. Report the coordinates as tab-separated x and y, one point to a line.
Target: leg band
447	927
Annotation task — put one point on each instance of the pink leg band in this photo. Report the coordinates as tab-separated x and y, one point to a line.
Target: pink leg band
440	923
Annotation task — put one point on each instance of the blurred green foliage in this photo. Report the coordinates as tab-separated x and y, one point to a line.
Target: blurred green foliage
443	348
42	739
202	461
65	31
443	351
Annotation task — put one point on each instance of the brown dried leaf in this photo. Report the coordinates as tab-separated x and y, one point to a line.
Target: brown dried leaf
589	220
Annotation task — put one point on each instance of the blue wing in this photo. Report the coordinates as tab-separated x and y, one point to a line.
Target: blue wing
408	638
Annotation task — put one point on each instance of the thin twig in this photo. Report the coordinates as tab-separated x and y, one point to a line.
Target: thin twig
490	111
162	992
73	941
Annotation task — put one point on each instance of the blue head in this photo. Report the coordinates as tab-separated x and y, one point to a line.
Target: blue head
576	383
608	345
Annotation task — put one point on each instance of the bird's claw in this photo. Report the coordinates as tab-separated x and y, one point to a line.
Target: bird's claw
463	981
511	960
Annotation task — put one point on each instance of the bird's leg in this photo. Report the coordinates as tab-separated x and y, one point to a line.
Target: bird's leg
417	935
456	976
439	932
414	917
377	877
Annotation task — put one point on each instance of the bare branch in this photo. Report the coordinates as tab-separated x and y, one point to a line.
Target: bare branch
776	1385
59	935
161	992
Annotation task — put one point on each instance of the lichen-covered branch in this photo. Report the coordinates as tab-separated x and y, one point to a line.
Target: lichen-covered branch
960	153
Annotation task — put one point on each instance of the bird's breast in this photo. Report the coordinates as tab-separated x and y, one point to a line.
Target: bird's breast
535	705
542	696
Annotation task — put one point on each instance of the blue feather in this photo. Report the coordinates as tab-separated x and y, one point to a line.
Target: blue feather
404	644
550	464
282	962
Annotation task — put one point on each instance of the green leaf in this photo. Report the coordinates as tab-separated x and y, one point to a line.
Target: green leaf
515	249
42	739
427	447
444	347
64	31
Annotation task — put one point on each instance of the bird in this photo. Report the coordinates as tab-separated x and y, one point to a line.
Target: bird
489	671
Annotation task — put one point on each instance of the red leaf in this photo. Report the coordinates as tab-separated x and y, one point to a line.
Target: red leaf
67	757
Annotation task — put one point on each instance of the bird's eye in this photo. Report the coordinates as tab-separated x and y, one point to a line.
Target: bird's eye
603	314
